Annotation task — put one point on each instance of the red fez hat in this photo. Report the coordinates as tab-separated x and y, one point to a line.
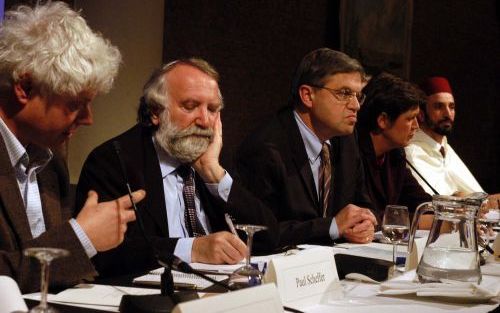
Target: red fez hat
434	85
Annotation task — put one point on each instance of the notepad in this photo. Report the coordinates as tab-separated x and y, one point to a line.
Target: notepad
154	278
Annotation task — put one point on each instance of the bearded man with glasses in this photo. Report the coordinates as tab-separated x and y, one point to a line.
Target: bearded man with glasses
304	164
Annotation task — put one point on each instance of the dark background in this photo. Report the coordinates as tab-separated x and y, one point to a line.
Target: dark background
255	45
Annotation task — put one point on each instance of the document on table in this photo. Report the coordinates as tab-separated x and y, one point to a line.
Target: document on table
408	284
50	297
154	278
10	297
380	250
102	297
100	294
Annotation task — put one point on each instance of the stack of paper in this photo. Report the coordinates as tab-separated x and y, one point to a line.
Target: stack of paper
407	284
196	282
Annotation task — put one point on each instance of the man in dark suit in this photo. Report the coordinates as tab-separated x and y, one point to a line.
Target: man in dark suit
387	122
179	133
49	74
304	164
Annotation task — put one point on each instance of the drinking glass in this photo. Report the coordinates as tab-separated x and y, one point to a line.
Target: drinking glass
395	226
489	220
247	275
45	257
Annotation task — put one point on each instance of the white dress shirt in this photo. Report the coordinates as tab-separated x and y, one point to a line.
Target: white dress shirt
446	174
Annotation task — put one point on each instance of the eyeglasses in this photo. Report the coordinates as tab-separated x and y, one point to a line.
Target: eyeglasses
344	94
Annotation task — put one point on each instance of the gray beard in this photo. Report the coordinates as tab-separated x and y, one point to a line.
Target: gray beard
185	145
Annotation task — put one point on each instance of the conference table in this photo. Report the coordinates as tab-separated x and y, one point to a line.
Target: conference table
359	298
356	297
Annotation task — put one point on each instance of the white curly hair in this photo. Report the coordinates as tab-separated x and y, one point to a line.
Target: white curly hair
54	47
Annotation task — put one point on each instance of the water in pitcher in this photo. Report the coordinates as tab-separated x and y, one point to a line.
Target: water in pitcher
440	263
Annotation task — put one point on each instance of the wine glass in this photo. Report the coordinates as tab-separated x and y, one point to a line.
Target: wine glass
247	275
488	219
45	257
395	226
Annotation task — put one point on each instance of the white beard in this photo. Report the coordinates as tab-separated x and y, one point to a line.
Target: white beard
186	145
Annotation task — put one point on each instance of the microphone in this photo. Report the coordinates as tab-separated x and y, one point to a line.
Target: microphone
152	303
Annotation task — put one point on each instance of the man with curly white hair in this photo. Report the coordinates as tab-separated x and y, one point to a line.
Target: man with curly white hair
52	65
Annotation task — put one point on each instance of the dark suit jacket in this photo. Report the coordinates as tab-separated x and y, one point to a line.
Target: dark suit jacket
272	162
101	172
15	233
392	182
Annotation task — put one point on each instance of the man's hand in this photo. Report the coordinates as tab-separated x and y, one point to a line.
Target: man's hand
207	165
361	233
105	223
218	248
350	216
494	201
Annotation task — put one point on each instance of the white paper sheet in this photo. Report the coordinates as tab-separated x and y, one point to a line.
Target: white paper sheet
154	278
36	296
10	296
491	267
407	284
99	294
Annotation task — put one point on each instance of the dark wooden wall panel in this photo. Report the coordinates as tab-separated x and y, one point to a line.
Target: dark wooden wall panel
255	46
460	39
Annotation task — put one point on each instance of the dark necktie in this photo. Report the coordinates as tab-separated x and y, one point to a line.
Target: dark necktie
193	225
443	152
325	177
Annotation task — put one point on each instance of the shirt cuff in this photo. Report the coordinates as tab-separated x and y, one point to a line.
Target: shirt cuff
334	230
84	239
183	249
223	188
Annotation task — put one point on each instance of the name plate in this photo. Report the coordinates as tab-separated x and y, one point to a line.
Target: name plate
262	298
307	278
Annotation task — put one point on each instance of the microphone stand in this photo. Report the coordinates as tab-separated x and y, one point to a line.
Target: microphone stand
166	301
177	264
422	177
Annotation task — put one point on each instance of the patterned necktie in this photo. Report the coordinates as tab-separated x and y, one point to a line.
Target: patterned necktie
325	177
193	225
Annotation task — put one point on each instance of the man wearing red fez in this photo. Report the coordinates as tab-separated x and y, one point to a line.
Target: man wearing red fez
429	150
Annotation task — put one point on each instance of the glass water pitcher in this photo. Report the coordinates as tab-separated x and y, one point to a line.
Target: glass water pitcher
451	251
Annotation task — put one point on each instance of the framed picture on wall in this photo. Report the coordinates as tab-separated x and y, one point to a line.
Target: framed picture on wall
378	34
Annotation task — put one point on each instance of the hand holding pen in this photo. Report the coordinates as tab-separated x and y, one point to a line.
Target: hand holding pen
230	224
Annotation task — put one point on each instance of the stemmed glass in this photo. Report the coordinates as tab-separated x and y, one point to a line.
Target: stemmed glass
247	275
395	226
45	257
488	219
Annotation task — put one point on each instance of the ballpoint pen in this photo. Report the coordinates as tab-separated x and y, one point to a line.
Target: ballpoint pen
230	224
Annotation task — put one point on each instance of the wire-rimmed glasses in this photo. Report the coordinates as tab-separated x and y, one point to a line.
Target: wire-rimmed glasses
344	94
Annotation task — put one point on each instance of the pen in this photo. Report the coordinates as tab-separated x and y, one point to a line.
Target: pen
185	286
230	224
